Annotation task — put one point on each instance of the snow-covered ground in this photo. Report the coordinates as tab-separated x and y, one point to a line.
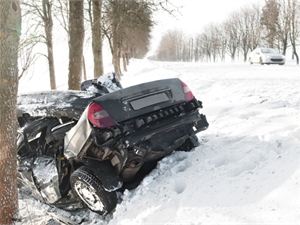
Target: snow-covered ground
246	169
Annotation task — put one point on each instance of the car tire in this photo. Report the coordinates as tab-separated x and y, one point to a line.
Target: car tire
261	61
250	61
90	191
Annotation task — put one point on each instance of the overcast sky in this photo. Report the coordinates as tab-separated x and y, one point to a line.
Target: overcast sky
198	13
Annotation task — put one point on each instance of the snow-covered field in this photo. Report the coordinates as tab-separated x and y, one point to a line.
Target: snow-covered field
246	169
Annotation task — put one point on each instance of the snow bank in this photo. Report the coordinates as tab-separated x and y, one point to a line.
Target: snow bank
246	169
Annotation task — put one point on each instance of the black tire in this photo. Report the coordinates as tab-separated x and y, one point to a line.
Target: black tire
250	61
189	144
89	190
261	61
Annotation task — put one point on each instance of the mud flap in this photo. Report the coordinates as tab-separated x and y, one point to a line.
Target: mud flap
105	172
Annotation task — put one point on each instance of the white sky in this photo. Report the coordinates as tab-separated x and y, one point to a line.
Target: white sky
198	13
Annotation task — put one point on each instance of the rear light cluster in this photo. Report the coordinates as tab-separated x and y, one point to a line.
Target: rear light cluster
187	92
99	117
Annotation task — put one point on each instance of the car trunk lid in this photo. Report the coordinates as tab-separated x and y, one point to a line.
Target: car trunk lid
141	99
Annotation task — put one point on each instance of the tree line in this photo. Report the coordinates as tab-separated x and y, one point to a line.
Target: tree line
126	25
276	24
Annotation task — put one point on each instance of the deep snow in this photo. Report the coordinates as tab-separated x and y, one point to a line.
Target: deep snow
246	169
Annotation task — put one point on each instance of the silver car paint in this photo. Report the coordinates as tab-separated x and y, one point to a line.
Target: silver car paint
77	136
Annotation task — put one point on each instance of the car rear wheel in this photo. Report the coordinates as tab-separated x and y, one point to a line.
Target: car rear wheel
88	188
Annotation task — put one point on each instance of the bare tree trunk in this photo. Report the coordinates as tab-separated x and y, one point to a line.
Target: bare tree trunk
117	65
295	53
84	68
97	38
47	10
294	34
76	29
124	61
127	55
116	52
10	20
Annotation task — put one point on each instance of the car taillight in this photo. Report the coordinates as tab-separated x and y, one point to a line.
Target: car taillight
187	92
99	117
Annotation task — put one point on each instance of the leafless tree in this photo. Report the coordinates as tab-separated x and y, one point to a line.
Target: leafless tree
215	38
27	56
279	18
171	46
255	29
48	24
29	39
243	29
61	13
232	34
76	39
41	15
206	45
124	21
95	18
10	17
223	42
197	50
127	26
269	20
248	27
166	49
136	32
294	12
188	49
115	15
283	26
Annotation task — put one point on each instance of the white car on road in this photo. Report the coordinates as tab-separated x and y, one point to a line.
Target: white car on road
266	56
